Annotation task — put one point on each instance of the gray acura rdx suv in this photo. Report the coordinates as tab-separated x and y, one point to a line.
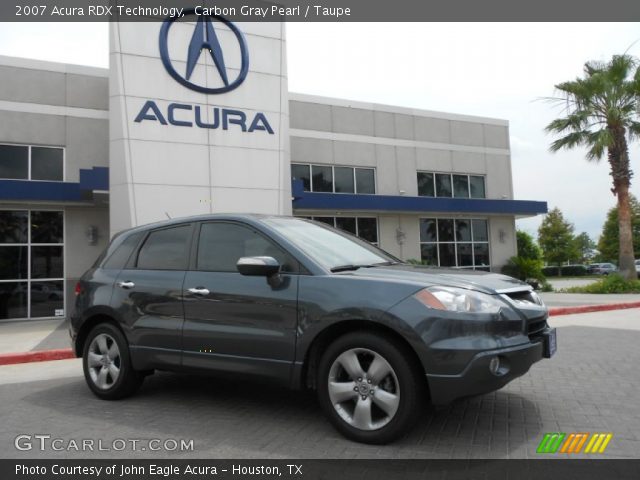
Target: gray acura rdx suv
307	306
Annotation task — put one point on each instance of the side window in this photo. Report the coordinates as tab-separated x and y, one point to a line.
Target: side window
118	259
165	249
221	245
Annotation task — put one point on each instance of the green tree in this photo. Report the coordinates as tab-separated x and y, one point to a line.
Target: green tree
555	237
601	113
584	247
527	246
609	242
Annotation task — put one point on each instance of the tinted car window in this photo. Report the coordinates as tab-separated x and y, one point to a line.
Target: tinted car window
221	245
118	259
165	249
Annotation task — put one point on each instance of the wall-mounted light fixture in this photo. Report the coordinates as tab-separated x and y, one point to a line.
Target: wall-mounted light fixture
400	236
502	235
92	235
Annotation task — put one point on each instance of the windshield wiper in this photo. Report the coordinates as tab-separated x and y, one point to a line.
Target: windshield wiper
345	268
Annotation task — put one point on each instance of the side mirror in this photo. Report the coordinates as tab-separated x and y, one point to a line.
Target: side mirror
258	266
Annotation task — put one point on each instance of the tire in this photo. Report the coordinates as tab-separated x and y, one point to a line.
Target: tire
395	384
107	364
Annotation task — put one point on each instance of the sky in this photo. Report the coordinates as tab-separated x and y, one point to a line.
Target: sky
501	70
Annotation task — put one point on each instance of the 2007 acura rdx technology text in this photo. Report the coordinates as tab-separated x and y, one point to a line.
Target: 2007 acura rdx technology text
305	305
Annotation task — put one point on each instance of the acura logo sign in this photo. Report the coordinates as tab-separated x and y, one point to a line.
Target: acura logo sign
205	38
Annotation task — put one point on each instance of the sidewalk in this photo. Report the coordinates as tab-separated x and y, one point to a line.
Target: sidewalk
578	299
32	336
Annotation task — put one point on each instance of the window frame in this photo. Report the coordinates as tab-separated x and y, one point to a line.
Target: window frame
132	263
29	280
451	175
355	217
455	241
333	177
29	156
195	245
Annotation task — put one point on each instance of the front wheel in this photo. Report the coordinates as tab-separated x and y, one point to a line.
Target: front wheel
107	364
369	387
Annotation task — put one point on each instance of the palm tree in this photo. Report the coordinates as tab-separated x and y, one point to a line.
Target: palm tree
601	113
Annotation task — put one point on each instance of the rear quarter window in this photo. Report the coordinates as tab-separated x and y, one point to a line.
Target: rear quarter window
165	249
117	259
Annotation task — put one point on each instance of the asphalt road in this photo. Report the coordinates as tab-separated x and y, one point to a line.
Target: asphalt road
591	385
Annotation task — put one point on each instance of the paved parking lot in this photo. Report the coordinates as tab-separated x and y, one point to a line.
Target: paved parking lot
591	385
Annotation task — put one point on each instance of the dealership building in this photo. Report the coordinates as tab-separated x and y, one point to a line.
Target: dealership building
195	117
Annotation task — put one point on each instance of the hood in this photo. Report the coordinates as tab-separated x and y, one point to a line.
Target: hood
474	280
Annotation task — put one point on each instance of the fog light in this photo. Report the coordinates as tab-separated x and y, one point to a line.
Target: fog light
494	365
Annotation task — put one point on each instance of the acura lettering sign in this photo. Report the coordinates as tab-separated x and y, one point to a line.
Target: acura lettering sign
204	37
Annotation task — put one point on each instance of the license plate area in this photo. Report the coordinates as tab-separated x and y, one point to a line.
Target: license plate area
550	343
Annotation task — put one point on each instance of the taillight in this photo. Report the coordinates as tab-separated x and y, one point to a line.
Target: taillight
78	289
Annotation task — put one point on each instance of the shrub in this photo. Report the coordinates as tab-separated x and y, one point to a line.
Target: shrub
565	271
524	269
613	283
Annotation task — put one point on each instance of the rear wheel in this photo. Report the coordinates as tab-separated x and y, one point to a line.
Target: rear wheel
369	387
107	364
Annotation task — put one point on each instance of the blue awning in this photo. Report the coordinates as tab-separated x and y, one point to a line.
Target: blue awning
399	203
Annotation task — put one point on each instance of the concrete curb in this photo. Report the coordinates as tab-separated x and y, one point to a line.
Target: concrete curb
592	308
66	353
37	356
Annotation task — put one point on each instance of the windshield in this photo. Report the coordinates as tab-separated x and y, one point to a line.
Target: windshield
328	246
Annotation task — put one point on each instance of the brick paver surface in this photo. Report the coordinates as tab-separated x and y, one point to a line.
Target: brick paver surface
591	385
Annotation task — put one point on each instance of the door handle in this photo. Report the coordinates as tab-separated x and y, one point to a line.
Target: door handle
126	285
199	291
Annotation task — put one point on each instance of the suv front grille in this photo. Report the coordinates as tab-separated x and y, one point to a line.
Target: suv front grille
535	328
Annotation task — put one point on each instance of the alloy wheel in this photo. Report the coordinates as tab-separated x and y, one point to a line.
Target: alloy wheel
104	361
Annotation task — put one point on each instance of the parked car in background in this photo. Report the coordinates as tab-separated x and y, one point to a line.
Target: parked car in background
602	268
638	267
306	305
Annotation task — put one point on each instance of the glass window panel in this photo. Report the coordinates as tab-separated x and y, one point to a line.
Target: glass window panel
368	229
13	263
46	298
480	232
445	230
13	226
443	185
46	262
461	186
465	254
328	220
46	227
476	184
481	254
165	249
428	232
46	163
118	259
14	162
463	231
221	245
302	172
344	179
447	254
425	184
429	254
322	179
365	181
347	224
13	300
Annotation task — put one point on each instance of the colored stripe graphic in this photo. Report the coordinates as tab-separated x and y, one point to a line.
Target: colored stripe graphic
559	442
574	443
550	442
598	443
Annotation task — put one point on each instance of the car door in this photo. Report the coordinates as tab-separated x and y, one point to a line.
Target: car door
148	297
233	322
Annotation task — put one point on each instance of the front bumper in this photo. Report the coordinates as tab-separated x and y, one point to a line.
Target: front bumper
477	379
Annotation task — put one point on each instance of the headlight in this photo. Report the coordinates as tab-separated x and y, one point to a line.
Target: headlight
458	300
